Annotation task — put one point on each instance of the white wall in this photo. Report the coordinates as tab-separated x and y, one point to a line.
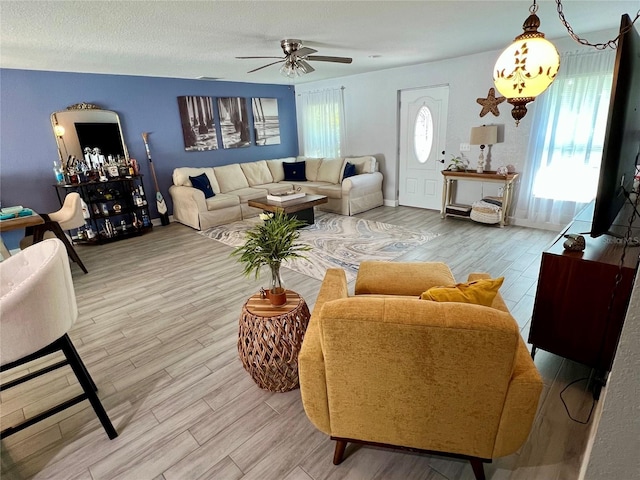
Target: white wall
371	106
616	449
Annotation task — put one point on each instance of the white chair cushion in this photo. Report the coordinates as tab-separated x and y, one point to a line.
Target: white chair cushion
37	299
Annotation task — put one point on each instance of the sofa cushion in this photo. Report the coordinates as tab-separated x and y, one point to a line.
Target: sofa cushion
230	177
246	194
181	177
257	173
275	166
330	170
294	171
331	191
349	170
201	182
401	278
276	188
367	164
222	200
311	167
479	292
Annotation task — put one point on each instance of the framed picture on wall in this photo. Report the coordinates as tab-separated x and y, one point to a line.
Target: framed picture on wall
234	122
198	125
266	123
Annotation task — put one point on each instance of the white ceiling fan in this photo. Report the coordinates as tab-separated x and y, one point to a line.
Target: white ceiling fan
296	59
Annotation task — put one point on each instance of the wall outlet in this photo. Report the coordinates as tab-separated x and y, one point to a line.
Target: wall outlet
465	147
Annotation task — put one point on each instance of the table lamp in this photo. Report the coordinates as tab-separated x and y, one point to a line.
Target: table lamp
485	135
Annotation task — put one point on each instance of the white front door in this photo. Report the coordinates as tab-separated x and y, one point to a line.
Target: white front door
423	122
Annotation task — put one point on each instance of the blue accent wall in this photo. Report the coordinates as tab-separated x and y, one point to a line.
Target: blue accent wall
144	104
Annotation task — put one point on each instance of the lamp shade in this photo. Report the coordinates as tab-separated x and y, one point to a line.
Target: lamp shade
526	68
485	135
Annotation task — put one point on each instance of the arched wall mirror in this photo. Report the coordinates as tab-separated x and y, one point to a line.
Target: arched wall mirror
87	125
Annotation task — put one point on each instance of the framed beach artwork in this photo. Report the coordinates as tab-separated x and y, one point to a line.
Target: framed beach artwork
266	123
234	122
198	125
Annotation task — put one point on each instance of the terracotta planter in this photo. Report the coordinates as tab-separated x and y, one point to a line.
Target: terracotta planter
277	297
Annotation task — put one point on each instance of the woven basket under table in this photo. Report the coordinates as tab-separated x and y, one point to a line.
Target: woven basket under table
269	340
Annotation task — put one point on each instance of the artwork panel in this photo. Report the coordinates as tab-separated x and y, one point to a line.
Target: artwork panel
234	122
266	122
198	123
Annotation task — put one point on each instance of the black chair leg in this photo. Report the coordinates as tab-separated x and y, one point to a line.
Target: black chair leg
76	355
87	384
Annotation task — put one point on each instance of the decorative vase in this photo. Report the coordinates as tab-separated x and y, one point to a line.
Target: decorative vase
277	294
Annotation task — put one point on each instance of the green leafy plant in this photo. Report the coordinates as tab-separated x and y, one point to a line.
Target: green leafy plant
458	163
271	242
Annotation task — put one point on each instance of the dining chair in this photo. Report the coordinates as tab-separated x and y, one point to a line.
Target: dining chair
38	305
68	217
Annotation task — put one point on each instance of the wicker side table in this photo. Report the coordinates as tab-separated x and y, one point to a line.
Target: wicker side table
269	340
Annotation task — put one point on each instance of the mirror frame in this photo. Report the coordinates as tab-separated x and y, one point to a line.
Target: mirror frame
87	112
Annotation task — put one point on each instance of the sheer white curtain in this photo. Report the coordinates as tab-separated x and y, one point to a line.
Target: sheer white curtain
565	146
322	114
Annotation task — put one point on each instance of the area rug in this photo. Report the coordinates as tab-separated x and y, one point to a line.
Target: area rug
337	241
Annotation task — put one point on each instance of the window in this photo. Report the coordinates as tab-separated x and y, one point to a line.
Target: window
322	121
567	135
423	134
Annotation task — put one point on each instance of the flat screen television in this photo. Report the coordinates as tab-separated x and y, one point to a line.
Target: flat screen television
105	136
621	148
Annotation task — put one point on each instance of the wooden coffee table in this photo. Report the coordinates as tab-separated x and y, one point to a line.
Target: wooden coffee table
301	208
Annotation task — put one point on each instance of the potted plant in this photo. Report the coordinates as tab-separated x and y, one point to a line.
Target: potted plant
269	243
458	164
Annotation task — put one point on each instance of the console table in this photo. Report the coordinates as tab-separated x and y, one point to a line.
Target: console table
573	314
489	176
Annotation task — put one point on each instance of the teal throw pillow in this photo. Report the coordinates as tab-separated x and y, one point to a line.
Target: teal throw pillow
201	182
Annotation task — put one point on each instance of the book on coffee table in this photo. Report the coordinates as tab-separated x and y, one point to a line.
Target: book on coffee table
285	196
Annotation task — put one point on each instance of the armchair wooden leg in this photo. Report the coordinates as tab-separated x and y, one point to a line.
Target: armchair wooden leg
338	453
478	468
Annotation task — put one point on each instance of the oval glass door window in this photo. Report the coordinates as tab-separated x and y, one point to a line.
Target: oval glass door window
423	134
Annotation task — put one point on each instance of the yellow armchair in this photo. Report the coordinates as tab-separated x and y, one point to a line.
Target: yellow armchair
386	368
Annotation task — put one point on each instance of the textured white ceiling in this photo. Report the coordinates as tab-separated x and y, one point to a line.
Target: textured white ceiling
188	39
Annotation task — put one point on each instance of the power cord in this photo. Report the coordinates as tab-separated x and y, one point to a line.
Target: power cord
593	402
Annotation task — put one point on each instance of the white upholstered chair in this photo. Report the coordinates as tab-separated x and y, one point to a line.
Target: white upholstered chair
38	306
68	217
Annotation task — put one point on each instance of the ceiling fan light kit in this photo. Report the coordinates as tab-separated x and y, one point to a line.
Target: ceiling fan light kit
296	59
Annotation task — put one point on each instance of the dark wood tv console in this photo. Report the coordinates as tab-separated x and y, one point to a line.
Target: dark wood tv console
571	315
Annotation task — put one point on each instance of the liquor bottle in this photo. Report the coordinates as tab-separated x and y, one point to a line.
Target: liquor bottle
145	219
90	233
85	209
57	171
136	223
141	193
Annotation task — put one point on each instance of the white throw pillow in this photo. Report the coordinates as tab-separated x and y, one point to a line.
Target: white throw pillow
366	164
257	173
311	167
230	177
181	176
330	170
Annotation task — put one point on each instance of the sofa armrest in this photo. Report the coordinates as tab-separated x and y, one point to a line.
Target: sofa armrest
521	404
498	302
364	181
188	195
313	385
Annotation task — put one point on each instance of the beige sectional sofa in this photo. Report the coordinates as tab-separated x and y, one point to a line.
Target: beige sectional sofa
234	185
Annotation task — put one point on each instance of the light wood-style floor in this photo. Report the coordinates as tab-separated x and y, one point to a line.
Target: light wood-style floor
157	330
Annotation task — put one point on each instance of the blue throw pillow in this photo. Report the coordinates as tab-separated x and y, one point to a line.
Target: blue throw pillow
349	170
201	182
294	171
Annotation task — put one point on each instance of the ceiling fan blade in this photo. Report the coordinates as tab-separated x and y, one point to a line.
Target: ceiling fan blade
321	58
244	58
304	51
265	66
307	68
